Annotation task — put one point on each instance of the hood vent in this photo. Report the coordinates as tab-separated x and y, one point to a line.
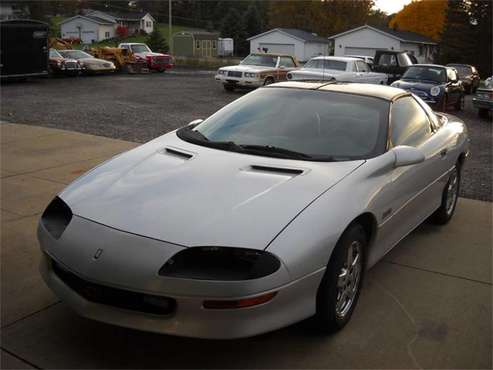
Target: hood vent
278	170
178	153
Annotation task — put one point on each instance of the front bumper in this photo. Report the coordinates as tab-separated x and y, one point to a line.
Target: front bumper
239	81
130	263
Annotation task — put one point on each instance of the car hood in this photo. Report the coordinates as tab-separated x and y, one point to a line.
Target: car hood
213	198
93	61
417	85
248	68
150	54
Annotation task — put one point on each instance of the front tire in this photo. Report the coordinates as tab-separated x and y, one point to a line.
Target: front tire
268	81
449	198
339	290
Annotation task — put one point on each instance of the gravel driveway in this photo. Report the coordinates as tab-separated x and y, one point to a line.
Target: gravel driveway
141	107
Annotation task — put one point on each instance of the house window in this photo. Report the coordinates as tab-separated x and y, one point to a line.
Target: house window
148	24
197	44
214	44
107	35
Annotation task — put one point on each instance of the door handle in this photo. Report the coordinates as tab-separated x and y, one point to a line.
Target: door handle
443	152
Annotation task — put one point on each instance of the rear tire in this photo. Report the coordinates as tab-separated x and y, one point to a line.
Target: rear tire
340	287
449	198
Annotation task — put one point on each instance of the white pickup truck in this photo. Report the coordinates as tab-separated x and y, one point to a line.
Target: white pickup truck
342	69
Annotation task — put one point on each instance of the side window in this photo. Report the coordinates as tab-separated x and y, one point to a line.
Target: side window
362	66
286	62
409	123
197	44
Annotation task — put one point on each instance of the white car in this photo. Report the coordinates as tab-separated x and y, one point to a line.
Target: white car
257	69
266	213
341	69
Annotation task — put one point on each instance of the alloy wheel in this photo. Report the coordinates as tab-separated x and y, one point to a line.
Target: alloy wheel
452	192
348	279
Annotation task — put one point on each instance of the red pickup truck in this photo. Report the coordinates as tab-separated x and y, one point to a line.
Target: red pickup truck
155	61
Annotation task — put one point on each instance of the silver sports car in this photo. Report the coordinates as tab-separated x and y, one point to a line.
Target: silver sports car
266	213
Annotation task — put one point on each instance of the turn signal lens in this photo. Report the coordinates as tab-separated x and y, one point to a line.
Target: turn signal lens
240	303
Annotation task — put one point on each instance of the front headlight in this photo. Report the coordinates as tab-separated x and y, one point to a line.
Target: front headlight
435	91
221	72
251	75
220	263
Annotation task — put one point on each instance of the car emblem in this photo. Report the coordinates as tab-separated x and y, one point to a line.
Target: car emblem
98	253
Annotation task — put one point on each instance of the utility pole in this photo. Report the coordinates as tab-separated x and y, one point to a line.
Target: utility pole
170	41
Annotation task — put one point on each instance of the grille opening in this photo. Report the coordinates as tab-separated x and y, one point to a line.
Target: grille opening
56	217
179	153
120	298
283	170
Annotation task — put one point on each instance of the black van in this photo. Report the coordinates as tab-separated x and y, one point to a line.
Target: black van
23	48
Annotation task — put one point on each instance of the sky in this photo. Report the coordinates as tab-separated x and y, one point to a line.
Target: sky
391	6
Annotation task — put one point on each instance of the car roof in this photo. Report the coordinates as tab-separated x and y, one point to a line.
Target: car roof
132	43
377	91
272	54
428	65
340	59
458	65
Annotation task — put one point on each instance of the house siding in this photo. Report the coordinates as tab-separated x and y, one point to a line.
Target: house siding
315	49
88	32
106	28
364	39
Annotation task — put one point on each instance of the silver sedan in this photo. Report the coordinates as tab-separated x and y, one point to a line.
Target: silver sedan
265	214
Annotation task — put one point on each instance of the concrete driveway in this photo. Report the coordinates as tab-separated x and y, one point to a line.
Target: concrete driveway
426	305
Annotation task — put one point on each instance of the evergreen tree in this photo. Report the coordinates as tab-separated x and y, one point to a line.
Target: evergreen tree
157	42
253	25
233	26
481	20
458	44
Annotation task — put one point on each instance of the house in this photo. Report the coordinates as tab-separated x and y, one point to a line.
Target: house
365	40
94	25
195	44
301	44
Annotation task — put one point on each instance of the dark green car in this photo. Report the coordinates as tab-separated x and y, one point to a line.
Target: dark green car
483	100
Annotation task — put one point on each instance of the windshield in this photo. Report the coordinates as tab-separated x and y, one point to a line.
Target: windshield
54	54
75	54
326	64
140	48
434	74
463	71
260	60
298	124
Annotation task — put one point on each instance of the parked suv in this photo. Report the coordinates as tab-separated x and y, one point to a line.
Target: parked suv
155	61
393	63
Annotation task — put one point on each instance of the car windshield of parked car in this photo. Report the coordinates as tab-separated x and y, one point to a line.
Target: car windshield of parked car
141	48
297	124
432	74
336	65
75	54
260	60
463	71
54	54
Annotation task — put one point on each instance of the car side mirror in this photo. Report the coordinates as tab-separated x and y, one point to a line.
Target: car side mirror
195	122
407	155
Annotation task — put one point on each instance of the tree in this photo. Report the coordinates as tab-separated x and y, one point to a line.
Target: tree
423	17
458	44
481	21
157	42
253	22
233	26
377	18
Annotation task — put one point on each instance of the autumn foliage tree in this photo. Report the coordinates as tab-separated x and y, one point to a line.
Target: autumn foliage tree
322	17
424	17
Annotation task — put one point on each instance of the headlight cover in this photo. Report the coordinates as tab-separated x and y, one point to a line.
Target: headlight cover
220	263
435	91
251	75
56	217
221	72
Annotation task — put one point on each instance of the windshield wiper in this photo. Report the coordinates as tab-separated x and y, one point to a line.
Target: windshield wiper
274	150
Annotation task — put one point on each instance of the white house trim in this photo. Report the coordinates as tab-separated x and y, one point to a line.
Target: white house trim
383	33
86	18
274	30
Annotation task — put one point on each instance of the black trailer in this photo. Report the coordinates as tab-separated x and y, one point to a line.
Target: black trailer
23	48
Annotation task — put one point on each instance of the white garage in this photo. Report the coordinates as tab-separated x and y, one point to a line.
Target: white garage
301	44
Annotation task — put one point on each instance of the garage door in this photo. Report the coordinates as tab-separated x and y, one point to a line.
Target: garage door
278	48
369	52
